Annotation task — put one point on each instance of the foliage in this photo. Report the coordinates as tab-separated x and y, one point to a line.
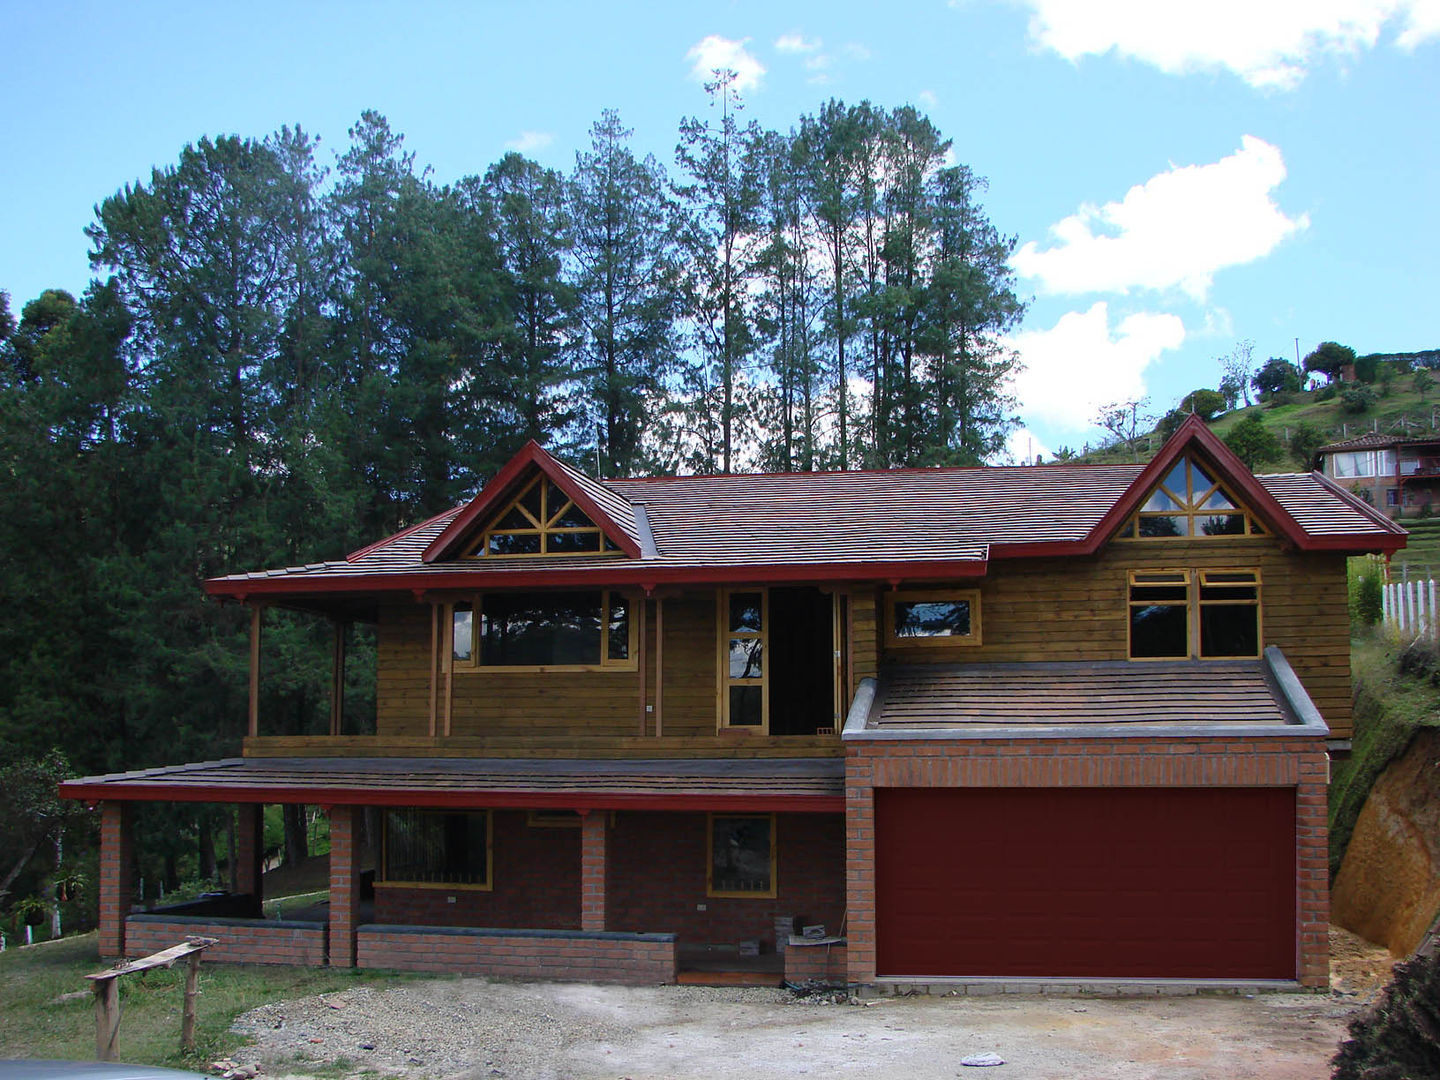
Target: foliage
1422	383
1305	440
1328	359
1399	1037
1204	403
33	819
1277	376
1124	421
1358	398
1366	590
1237	374
1253	442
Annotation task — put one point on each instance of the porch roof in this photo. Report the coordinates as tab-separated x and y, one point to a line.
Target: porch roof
758	784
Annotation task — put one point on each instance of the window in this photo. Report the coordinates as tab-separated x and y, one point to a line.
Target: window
741	855
1190	503
435	849
542	520
1177	614
744	617
552	819
589	629
1354	463
943	617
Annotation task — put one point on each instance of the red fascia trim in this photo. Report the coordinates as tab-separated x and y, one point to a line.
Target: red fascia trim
449	799
501	486
638	574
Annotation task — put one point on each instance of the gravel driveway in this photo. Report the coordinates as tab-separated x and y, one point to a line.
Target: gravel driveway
476	1028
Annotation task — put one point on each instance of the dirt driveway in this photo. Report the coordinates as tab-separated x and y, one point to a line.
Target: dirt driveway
475	1028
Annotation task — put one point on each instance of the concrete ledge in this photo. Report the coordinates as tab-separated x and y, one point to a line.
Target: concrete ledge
982	986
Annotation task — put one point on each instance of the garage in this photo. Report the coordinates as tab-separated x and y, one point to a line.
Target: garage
1106	883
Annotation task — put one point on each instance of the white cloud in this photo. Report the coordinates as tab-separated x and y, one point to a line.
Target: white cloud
1175	230
1269	44
715	53
1022	445
527	142
855	51
927	98
796	43
1081	363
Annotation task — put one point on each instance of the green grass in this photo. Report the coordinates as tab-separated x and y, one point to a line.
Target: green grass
1389	709
37	1020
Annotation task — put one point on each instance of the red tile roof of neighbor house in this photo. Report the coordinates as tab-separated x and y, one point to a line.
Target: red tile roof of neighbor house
887	525
1378	440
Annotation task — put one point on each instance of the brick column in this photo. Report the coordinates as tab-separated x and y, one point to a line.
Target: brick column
344	884
860	863
1312	853
592	870
116	857
250	851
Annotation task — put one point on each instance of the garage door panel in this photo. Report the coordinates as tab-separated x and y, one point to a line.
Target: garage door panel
1120	883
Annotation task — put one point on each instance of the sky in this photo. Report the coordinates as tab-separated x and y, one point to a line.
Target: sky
1179	176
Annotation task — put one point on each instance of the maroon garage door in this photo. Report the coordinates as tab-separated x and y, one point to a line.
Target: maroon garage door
1099	883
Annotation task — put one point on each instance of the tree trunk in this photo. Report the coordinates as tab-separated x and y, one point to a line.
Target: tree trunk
297	848
206	834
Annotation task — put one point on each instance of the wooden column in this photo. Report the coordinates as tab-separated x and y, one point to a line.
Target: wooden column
254	670
659	665
434	665
250	851
344	884
337	678
592	869
116	858
644	675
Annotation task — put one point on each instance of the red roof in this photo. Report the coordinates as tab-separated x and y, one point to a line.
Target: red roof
888	525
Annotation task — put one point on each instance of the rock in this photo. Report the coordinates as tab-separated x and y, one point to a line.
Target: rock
367	1046
981	1060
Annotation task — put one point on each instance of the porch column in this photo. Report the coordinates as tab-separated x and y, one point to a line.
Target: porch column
250	851
592	869
344	884
116	858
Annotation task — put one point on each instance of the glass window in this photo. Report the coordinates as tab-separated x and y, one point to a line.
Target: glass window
1189	502
743	697
527	630
462	631
932	618
1223	607
429	847
1229	613
543	521
742	855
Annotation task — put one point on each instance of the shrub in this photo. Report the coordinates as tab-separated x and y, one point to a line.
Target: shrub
1367	591
1326	392
1358	399
1399	1037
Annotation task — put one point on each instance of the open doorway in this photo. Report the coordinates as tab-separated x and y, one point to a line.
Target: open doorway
802	661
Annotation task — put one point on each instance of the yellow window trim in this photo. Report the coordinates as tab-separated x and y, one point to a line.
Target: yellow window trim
907	596
451	886
722	672
710	890
1193	580
471	665
1190	505
542	527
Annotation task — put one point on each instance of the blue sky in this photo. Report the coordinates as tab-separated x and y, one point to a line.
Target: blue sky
1180	176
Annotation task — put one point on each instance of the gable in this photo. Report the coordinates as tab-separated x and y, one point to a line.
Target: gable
1189	501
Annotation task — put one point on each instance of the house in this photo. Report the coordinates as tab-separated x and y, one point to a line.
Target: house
1398	475
1036	723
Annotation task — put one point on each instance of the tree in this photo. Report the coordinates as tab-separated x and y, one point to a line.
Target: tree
626	290
1278	376
1252	442
32	815
1358	399
1422	383
1124	421
1238	369
1305	440
1329	359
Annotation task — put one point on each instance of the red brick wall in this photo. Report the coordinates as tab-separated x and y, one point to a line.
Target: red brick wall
656	877
344	884
616	958
816	964
1298	763
116	841
249	942
535	876
593	858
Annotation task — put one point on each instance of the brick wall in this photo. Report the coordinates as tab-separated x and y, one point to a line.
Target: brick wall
535	884
1298	763
249	941
116	856
816	964
656	878
636	959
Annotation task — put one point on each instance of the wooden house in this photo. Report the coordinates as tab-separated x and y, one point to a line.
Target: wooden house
1041	723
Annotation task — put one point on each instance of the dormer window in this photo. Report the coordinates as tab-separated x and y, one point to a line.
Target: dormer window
542	520
1190	503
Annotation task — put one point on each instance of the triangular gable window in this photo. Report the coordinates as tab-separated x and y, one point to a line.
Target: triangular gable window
542	520
1190	503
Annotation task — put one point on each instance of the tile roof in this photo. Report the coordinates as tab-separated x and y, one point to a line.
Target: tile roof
1377	440
946	697
716	783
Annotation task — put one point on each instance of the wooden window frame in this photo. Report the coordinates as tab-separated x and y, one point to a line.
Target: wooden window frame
1192	509
731	894
723	680
450	886
543	527
477	609
552	819
970	640
1193	580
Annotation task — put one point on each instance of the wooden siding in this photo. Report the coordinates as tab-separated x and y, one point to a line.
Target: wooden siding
1076	610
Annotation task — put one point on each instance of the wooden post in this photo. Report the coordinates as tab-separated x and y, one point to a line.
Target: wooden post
434	663
337	679
192	988
644	675
254	670
106	985
107	1018
659	664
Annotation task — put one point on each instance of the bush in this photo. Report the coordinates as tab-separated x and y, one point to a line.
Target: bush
1399	1037
1367	592
1327	392
1252	442
1358	399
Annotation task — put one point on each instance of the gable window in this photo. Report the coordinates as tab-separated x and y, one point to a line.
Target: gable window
542	520
744	691
1177	614
528	631
740	855
431	848
1190	503
932	617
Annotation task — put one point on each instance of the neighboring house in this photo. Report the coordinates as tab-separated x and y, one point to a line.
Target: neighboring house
1400	476
1040	723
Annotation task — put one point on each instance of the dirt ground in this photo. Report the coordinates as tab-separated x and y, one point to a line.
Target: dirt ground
475	1028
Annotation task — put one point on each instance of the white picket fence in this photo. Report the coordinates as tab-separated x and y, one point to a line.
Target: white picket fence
1409	608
